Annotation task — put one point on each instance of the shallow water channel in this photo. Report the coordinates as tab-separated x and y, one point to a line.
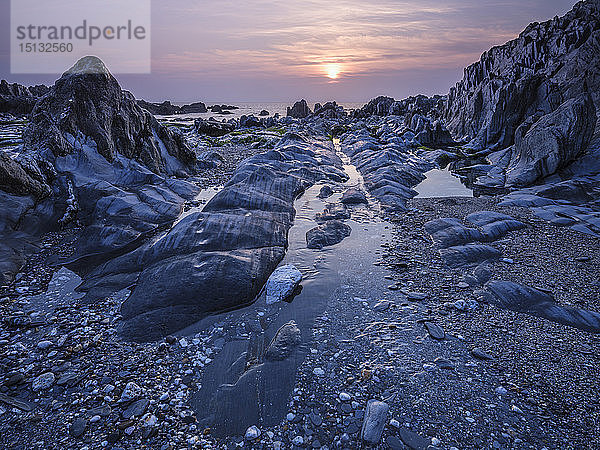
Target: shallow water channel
239	387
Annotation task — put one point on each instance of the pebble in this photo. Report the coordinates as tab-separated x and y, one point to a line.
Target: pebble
444	363
501	390
43	345
131	392
516	409
480	354
435	331
43	382
394	443
78	427
345	397
252	433
298	440
374	421
413	440
318	371
136	409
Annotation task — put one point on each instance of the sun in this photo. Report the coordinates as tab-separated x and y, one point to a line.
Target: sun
333	71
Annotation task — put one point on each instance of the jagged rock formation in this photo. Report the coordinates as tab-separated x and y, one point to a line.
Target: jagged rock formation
166	108
432	107
89	108
546	65
17	99
517	84
300	110
91	154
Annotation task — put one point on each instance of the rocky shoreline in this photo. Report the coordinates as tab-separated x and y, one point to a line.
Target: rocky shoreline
277	282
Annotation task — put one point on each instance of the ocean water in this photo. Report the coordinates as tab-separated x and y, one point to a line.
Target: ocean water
246	109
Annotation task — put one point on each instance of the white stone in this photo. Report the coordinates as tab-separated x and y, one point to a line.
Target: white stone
252	433
131	392
345	397
282	283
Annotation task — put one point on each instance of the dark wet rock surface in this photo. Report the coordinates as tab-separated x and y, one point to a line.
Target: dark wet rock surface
330	233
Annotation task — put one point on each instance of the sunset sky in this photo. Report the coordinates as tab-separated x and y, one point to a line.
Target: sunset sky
345	50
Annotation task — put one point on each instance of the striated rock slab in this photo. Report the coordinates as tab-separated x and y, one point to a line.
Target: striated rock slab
225	253
469	255
525	299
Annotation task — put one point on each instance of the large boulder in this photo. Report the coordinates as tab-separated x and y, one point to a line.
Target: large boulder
552	142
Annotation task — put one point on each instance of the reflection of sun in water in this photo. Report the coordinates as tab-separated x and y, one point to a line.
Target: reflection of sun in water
333	71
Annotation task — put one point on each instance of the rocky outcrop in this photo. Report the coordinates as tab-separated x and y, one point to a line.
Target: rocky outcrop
222	109
533	75
166	108
552	142
213	128
300	110
88	108
92	155
225	253
17	99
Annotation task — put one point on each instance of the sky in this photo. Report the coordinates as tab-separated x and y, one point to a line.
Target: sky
283	50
